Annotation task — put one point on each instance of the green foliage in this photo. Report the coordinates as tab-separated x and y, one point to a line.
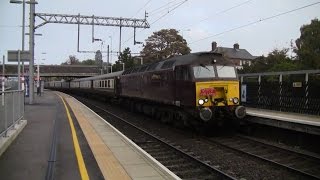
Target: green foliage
126	58
88	62
277	60
117	66
284	66
308	45
164	44
71	61
98	58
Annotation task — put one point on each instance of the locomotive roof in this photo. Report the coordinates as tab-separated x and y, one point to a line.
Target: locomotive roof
189	59
104	76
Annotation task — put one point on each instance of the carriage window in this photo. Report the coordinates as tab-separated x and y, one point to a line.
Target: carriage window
167	64
226	71
111	83
203	72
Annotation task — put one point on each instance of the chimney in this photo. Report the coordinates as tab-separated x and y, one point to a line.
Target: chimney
213	46
236	46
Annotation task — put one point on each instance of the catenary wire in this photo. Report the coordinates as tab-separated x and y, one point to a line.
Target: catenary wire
218	13
257	21
178	5
142	8
164	7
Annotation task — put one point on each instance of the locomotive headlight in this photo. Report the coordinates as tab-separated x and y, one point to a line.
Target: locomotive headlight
201	102
235	100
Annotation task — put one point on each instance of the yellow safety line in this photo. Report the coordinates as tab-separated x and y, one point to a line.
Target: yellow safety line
81	164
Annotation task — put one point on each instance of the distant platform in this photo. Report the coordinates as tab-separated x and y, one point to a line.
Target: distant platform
299	122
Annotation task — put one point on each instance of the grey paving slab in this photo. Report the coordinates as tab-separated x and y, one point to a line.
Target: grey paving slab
141	170
127	156
27	157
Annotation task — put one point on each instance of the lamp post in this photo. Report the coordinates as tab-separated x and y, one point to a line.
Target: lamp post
111	45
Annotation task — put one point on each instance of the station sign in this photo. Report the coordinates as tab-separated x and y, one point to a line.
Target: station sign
13	56
297	84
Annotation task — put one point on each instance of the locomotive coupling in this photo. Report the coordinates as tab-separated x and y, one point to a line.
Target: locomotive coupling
205	114
240	112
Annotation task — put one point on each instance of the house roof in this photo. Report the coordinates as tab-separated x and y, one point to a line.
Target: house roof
234	53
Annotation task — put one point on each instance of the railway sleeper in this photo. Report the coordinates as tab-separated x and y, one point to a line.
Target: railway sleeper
179	166
174	162
163	156
159	153
190	172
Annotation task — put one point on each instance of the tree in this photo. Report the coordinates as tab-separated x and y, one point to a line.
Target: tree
308	45
164	44
71	61
88	62
277	60
117	66
98	58
126	58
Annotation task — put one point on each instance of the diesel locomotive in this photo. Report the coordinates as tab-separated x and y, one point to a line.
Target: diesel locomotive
198	88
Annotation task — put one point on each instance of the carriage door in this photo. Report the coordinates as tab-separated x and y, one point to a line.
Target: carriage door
117	86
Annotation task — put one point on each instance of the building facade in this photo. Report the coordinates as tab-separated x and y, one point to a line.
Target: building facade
235	54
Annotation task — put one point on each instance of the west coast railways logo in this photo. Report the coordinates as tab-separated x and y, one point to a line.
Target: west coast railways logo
208	92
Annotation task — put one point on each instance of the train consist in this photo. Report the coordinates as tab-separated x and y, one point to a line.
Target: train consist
194	89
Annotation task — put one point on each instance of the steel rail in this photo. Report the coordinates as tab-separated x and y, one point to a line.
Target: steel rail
282	148
262	158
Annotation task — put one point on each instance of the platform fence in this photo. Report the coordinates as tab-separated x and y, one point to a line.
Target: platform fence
290	91
11	110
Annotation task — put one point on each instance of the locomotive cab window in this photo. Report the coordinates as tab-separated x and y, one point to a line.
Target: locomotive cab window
204	71
226	71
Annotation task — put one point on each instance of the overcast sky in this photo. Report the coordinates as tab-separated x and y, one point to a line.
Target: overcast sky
195	19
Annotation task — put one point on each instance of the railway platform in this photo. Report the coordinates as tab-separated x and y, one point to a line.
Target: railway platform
66	140
294	121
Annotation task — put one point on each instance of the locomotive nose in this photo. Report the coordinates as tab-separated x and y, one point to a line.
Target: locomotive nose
205	114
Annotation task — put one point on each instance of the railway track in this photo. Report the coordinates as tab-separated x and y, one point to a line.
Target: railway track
198	157
304	164
183	164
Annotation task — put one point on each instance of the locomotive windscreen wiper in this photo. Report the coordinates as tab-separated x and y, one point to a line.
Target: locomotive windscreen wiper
204	67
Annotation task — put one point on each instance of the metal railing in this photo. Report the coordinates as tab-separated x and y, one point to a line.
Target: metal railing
290	91
11	110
